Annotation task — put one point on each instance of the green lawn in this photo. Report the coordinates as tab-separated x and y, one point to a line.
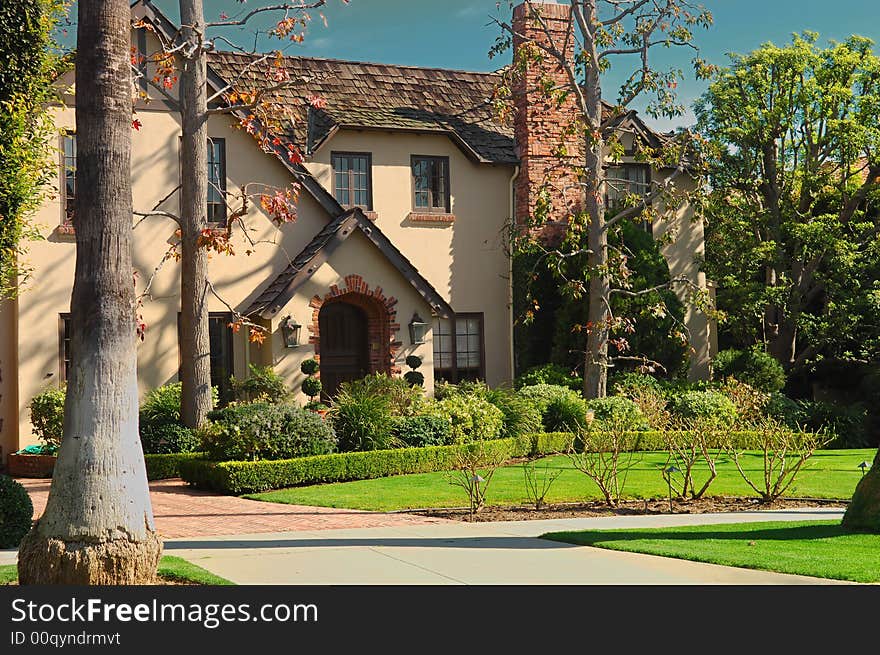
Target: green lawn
829	474
170	567
822	549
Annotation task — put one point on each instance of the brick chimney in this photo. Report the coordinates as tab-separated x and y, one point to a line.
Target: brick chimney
540	123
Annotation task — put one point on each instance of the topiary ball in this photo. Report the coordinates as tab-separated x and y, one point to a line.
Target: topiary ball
415	378
309	366
414	361
16	512
312	387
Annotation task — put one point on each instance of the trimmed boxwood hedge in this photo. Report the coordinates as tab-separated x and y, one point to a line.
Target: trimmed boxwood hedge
163	467
253	477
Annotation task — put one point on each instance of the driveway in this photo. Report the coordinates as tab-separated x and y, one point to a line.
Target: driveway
465	553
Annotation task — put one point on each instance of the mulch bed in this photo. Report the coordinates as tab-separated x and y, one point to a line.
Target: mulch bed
626	508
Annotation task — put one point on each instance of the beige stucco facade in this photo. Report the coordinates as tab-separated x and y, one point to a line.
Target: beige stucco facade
465	260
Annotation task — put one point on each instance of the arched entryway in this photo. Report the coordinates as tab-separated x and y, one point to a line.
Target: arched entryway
345	351
375	316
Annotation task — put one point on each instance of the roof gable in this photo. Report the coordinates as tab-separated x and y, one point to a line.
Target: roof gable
279	292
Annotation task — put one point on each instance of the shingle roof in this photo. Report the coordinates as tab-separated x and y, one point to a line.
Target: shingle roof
282	288
381	96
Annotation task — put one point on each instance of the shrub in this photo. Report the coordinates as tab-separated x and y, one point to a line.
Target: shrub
312	387
309	366
469	417
47	417
712	405
541	395
167	438
753	366
413	361
846	425
263	385
419	431
161	428
362	420
403	399
785	410
784	454
550	374
262	431
519	416
566	414
414	378
631	383
618	411
16	512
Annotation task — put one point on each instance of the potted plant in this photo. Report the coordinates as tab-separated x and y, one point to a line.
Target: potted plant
47	416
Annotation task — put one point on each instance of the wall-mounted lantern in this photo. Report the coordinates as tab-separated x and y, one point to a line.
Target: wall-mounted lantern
417	330
290	332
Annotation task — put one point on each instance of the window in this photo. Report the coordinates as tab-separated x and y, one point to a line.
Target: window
68	174
352	179
64	346
220	336
221	359
430	184
217	181
458	348
624	180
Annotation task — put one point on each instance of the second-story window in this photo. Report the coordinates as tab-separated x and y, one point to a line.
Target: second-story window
623	181
68	174
352	179
217	181
430	184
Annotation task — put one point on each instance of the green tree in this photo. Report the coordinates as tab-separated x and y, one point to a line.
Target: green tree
29	65
601	32
792	220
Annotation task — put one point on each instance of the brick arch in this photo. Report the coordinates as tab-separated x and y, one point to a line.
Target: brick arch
382	325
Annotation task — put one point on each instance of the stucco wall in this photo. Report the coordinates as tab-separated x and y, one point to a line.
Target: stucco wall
465	260
238	279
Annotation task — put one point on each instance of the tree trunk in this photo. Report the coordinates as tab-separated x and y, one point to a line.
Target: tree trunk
863	512
596	358
195	345
783	341
98	524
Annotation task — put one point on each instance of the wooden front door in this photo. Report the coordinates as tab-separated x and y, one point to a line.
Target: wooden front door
344	351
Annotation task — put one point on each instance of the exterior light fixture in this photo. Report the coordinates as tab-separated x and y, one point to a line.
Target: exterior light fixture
667	473
864	466
417	330
290	332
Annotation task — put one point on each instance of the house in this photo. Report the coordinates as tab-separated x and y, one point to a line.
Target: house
399	247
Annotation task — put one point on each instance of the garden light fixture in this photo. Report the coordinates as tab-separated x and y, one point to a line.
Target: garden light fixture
290	331
864	466
417	330
667	473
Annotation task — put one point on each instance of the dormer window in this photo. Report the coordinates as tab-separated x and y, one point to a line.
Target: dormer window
352	179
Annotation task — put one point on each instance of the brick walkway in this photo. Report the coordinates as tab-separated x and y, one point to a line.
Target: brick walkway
181	511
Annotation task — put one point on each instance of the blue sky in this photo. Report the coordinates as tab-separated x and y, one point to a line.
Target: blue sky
458	33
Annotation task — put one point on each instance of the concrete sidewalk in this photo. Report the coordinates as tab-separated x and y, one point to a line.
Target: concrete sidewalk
465	553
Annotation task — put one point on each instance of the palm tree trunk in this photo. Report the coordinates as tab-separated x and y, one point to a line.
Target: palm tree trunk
98	524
